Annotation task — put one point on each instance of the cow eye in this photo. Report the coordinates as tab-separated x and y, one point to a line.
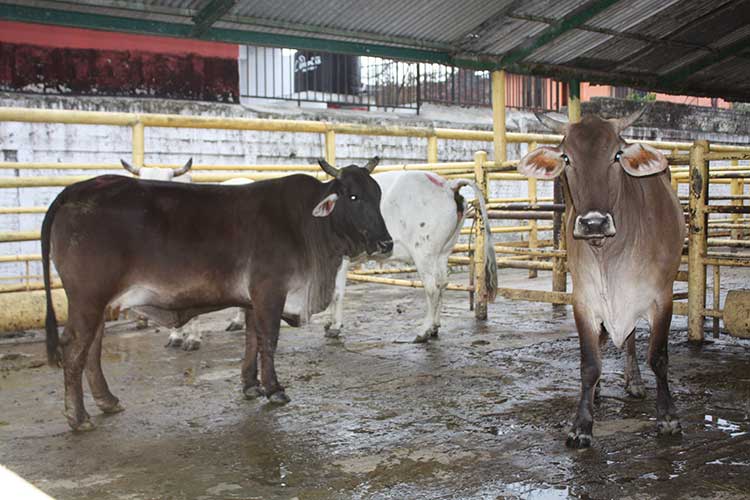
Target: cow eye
565	159
354	197
618	155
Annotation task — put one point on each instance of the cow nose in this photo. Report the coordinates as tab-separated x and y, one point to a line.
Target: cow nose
385	246
594	224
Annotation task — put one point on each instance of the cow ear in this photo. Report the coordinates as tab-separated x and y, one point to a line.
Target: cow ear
641	159
325	207
542	163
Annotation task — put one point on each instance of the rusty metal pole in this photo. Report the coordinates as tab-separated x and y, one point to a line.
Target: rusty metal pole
736	189
533	225
697	241
480	283
716	297
138	144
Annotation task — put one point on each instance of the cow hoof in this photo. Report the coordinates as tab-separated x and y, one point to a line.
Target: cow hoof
278	398
84	426
111	410
637	391
421	339
110	406
670	426
252	392
174	342
234	327
191	345
332	333
578	441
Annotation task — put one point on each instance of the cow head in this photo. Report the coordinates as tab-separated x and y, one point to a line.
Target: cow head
353	204
155	173
595	161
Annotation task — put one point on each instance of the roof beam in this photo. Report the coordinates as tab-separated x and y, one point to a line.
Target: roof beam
681	73
569	22
209	14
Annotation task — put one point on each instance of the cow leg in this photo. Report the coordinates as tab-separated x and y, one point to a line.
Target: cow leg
78	335
250	385
238	321
268	306
336	310
667	421
434	274
193	336
105	400
591	369
633	382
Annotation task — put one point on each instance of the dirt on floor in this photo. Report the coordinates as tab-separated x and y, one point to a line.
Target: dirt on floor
480	412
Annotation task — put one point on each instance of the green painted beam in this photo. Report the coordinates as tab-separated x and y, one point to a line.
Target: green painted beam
208	15
572	21
674	77
87	20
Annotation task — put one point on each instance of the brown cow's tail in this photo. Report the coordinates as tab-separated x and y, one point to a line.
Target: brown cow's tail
490	260
54	357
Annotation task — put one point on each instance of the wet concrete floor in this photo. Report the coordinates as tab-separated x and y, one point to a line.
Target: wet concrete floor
481	412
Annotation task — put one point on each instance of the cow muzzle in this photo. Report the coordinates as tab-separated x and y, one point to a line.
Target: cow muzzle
385	247
594	224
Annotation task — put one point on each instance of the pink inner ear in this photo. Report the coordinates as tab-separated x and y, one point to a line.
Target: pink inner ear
329	206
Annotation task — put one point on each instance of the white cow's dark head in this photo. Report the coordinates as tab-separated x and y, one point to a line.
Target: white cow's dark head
353	203
594	160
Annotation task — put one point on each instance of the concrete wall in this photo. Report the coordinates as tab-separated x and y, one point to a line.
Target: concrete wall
26	142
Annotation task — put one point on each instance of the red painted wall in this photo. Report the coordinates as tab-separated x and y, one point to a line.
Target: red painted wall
51	59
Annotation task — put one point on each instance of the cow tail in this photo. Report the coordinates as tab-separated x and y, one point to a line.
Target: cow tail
490	260
54	357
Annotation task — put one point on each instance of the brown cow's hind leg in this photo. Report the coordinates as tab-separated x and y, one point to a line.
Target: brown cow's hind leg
633	382
105	400
250	385
79	334
667	421
591	369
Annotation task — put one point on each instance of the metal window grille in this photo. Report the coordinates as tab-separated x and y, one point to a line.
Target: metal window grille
341	80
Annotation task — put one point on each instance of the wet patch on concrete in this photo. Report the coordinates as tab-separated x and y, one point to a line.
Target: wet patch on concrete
481	412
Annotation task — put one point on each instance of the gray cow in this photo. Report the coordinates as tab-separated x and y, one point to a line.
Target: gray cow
625	231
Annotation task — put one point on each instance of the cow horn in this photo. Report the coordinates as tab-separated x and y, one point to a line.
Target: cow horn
328	168
130	168
370	166
625	122
184	169
552	124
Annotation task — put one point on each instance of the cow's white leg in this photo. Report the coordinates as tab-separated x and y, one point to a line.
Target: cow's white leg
193	336
434	274
336	310
238	321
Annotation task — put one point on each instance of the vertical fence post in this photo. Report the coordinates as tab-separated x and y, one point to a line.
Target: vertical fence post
716	297
736	189
498	117
674	180
330	145
697	241
480	284
432	149
533	226
138	144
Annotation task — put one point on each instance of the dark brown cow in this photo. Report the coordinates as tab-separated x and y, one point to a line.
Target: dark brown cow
174	251
625	231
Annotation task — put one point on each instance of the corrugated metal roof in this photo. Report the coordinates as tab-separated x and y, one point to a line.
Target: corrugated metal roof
651	44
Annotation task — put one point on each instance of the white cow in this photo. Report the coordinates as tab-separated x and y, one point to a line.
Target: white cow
188	337
424	214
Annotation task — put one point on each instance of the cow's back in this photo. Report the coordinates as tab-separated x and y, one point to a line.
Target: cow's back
420	211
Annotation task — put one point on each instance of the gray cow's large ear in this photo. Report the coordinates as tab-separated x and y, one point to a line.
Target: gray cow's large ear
640	160
542	163
370	166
